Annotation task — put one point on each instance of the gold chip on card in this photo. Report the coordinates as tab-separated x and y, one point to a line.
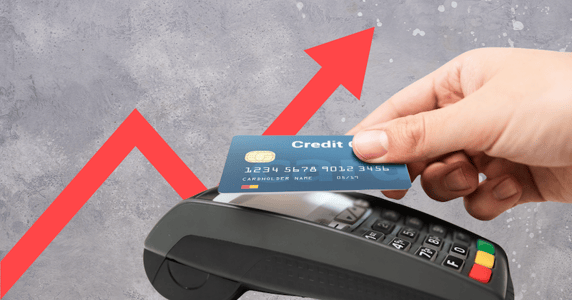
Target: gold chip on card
259	156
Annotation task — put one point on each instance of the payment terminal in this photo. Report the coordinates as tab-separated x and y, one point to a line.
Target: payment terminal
323	245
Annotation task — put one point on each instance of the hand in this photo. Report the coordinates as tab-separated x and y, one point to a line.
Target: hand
503	112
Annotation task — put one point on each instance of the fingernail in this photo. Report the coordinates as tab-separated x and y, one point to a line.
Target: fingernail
505	189
370	144
456	180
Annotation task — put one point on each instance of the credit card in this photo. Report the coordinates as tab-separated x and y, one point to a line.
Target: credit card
277	164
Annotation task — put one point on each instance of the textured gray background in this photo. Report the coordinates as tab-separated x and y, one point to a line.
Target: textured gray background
201	72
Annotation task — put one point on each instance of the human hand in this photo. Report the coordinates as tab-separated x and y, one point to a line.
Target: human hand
503	112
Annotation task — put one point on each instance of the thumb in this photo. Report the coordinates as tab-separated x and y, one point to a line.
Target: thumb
426	135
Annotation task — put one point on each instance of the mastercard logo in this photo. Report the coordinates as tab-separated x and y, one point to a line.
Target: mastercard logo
260	156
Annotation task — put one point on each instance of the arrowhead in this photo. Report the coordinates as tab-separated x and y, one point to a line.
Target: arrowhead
345	59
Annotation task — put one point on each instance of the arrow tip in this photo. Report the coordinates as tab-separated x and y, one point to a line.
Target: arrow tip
345	59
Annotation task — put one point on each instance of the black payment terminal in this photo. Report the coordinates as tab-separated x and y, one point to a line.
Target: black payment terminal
323	245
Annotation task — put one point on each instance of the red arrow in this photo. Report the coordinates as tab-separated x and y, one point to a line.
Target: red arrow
343	62
133	132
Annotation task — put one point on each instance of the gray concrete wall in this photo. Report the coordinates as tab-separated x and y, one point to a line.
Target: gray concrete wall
201	72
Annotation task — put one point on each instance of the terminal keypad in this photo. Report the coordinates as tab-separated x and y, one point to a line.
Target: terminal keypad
452	249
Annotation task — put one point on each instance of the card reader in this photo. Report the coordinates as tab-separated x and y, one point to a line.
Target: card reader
323	245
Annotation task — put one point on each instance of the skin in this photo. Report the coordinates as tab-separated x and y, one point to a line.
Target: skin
503	112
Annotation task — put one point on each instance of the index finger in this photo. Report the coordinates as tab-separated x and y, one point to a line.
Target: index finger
422	95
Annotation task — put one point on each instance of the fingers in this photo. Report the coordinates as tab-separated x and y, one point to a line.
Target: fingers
427	121
470	124
493	197
395	194
507	184
422	95
452	177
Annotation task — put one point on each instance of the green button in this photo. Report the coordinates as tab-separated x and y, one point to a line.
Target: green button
486	247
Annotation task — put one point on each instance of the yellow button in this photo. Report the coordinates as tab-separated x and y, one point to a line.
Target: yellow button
485	259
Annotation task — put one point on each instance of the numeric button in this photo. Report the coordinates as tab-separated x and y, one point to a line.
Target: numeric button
390	215
409	233
400	244
438	230
433	241
462	237
414	222
383	226
373	235
426	253
459	250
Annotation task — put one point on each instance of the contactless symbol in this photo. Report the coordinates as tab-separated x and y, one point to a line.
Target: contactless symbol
260	156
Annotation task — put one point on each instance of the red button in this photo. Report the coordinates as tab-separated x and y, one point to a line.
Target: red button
480	273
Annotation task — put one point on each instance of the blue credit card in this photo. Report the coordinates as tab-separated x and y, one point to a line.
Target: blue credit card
274	164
